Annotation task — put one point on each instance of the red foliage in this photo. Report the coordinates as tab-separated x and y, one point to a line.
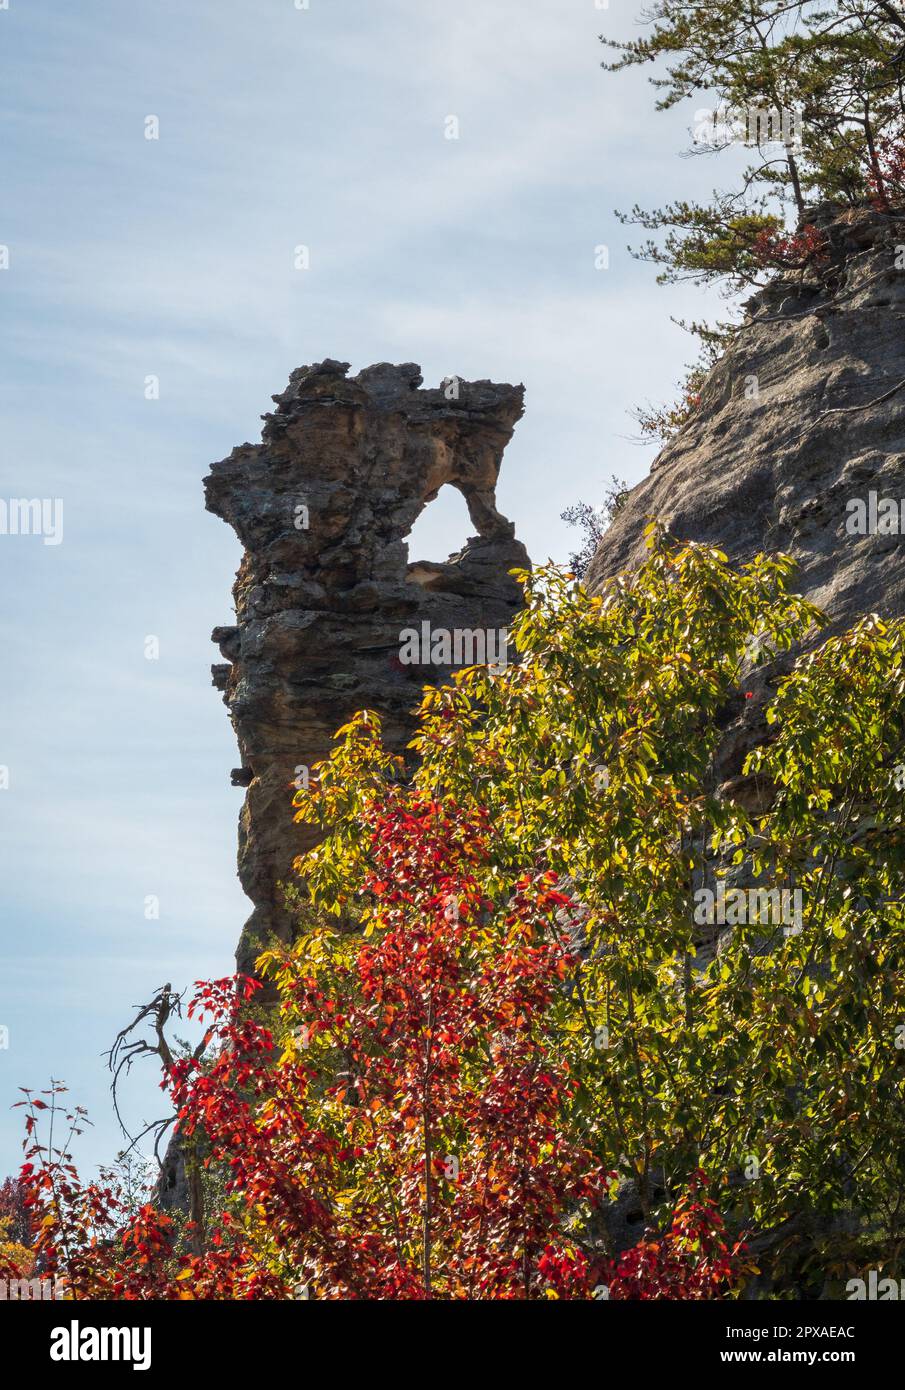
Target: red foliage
438	1022
440	1037
692	1260
887	181
790	250
86	1239
14	1221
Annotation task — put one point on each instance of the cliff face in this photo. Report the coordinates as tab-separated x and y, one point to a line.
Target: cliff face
325	587
798	438
803	415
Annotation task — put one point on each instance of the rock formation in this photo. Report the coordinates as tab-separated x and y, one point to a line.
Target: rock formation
805	412
803	415
325	587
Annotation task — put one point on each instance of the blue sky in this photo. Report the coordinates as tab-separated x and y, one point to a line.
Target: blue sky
174	258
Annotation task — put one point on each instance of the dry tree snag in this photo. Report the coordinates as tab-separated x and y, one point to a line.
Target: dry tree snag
179	1178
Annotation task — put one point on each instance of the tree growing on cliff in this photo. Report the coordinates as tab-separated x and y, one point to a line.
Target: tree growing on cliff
816	94
593	522
813	91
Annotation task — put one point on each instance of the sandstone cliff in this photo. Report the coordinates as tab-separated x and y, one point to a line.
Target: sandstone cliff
803	416
805	412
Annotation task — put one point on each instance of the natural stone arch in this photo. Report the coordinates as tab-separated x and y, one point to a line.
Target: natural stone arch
322	506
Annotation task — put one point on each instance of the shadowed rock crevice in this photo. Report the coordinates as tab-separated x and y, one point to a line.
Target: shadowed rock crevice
326	586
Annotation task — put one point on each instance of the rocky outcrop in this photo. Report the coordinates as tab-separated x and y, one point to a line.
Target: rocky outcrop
801	420
325	589
803	414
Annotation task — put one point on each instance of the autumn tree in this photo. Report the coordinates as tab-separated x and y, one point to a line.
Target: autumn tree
505	1011
773	1064
16	1258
